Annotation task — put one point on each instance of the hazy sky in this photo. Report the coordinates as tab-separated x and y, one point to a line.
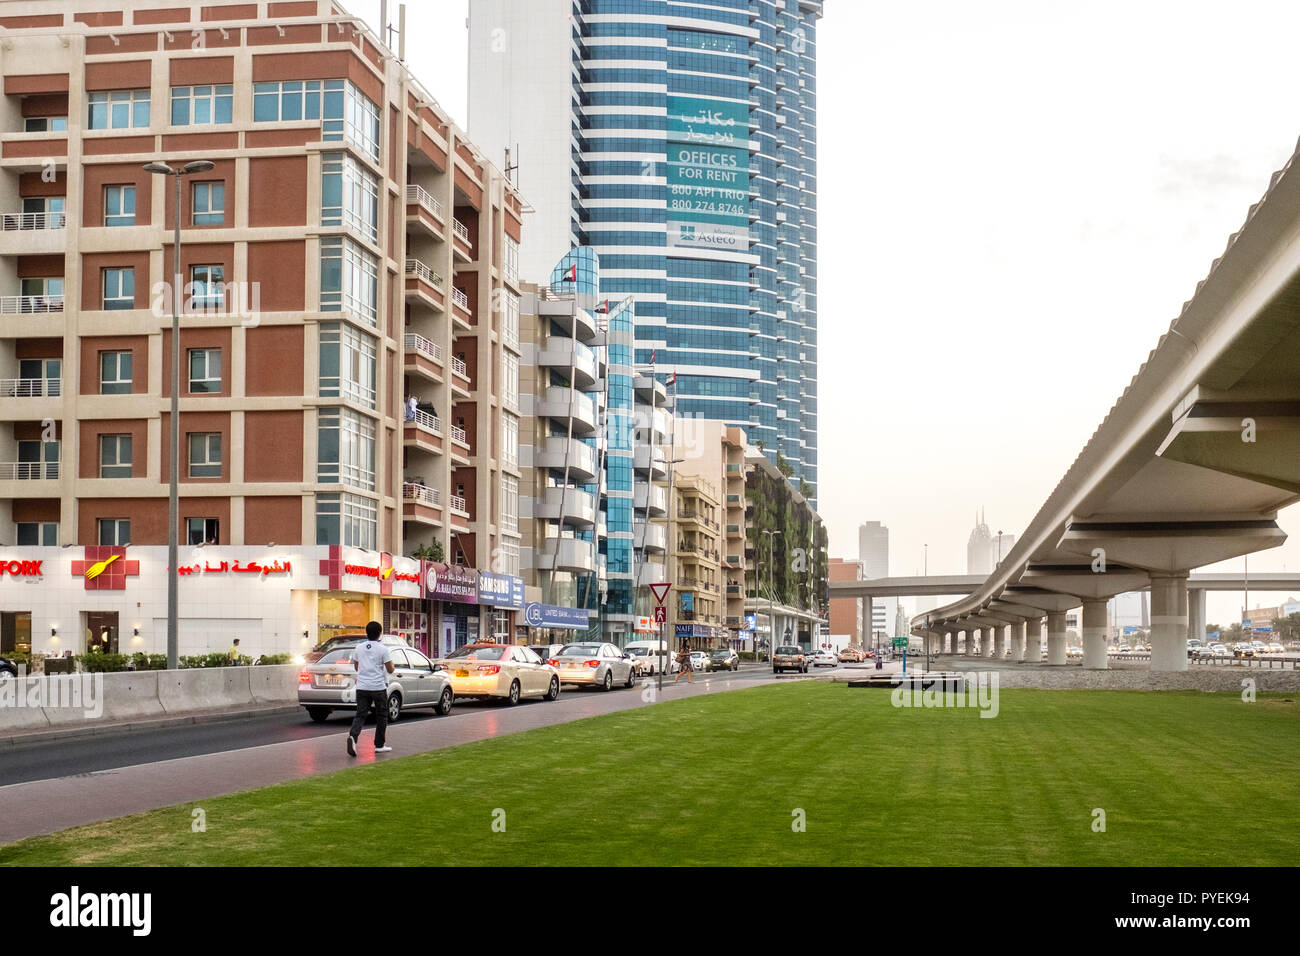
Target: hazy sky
1015	200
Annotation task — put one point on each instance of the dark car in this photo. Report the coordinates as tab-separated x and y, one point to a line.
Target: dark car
8	667
724	661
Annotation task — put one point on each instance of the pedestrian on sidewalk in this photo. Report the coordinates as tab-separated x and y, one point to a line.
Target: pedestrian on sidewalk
373	662
684	662
233	654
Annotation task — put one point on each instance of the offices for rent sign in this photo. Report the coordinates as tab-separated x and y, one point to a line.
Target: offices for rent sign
708	178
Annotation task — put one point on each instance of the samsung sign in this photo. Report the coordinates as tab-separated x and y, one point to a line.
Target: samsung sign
500	590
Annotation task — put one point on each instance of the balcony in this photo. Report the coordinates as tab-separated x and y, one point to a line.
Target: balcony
423	432
30	399
577	507
460	383
422	504
424	286
30	304
651	572
652	498
565	554
570	355
566	404
460	312
654	537
32	233
28	471
648	459
461	243
424	212
561	452
423	358
460	450
735	531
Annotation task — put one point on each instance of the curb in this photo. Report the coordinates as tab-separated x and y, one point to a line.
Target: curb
132	726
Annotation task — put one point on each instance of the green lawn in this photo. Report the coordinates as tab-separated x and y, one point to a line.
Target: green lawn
1184	779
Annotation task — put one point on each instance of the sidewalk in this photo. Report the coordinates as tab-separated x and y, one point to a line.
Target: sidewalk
46	806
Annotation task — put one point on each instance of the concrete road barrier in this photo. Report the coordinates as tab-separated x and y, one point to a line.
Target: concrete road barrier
204	688
274	683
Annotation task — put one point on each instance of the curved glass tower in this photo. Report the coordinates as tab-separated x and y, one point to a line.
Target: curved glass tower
678	139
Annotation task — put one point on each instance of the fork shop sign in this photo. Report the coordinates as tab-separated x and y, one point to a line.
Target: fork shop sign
20	569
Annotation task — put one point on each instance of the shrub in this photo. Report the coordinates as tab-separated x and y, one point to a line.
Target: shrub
274	659
149	662
102	663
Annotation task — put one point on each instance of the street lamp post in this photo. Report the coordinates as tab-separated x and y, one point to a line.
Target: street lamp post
173	490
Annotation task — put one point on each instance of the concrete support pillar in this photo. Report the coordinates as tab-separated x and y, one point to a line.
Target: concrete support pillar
868	624
1095	624
967	642
1056	637
1196	613
1169	622
1018	640
1000	642
1033	640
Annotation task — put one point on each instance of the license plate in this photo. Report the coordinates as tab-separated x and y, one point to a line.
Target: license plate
332	680
462	673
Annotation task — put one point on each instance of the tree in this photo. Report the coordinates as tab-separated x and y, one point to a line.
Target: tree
783	466
429	552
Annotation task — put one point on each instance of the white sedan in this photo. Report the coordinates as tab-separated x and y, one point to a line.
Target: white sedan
509	671
596	665
824	658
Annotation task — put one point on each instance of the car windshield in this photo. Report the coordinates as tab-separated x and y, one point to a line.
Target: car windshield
579	650
492	653
338	656
639	651
722	653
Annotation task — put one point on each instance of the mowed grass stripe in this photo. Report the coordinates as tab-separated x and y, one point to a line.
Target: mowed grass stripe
1184	779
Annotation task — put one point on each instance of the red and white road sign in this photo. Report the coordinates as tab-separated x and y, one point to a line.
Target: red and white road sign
660	591
661	614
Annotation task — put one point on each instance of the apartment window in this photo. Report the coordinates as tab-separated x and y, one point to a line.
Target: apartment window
349	279
348	520
38	534
115	373
512	259
119	288
345	448
360	124
209	204
509	441
509	504
41	212
510	324
510	380
508	557
119	205
349	195
203	530
115	456
114	531
121	109
202	105
45	124
347	364
205	371
344	111
37	459
207	290
205	454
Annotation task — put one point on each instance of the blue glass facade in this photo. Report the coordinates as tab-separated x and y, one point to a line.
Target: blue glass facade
695	147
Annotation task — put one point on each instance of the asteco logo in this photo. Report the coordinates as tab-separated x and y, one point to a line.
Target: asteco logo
76	909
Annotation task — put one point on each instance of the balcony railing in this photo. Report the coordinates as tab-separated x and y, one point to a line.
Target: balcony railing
419	195
29	304
23	221
427	421
457	504
459	367
458	434
459	297
422	494
414	267
31	387
28	470
418	343
460	229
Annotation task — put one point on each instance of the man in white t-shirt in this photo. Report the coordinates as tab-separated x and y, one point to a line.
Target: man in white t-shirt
373	662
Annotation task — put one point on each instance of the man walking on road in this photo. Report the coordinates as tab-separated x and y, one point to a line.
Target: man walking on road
373	662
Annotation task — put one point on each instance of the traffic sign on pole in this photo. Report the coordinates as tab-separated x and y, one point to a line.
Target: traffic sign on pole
660	591
661	614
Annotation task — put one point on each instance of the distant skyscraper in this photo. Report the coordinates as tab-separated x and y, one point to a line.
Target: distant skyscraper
873	553
985	549
679	140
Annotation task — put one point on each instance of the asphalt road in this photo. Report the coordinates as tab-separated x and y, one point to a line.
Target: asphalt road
86	755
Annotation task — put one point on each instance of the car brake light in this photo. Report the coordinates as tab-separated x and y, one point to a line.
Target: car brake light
593	663
489	669
554	662
304	678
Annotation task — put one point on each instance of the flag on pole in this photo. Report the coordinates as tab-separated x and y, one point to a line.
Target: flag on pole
571	275
653	352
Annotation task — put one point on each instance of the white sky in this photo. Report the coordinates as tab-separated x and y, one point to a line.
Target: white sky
1015	200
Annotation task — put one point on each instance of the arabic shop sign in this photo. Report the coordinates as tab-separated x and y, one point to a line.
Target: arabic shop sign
500	590
236	567
707	122
450	582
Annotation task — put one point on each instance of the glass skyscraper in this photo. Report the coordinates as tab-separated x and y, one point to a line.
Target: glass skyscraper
678	140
